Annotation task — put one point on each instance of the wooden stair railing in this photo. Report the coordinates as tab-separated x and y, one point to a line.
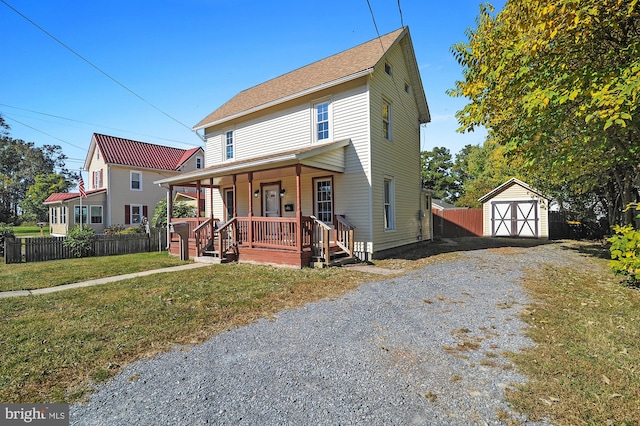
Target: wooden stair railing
345	233
205	234
320	240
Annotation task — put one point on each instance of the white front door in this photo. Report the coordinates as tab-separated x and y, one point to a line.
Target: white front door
271	200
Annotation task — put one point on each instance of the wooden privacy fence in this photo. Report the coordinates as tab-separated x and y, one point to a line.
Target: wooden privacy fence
457	223
37	249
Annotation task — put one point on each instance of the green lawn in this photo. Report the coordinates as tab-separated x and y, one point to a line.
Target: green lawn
53	346
31	231
29	276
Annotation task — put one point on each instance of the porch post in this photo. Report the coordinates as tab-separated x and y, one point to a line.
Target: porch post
235	203
250	230
299	206
198	187
211	199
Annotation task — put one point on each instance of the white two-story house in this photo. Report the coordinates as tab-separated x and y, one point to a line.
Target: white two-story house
120	186
326	155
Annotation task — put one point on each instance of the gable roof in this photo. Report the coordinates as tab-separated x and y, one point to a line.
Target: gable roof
58	197
127	152
347	65
508	184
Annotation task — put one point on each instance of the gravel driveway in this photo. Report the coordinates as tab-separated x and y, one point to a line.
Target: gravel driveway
424	348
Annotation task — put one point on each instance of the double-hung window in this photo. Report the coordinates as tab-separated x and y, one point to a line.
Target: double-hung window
136	214
324	199
97	179
76	215
136	181
96	214
386	120
388	200
228	153
321	121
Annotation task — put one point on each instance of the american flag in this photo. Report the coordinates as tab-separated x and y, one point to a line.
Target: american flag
83	193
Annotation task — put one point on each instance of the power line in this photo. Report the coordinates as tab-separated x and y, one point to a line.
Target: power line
97	125
97	68
44	133
400	10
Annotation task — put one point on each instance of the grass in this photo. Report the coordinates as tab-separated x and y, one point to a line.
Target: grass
30	276
31	231
55	346
585	367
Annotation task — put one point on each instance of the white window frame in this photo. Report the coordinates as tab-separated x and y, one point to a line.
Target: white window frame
229	144
131	173
54	215
199	162
97	181
388	203
132	215
91	214
63	214
328	120
387	128
323	198
85	213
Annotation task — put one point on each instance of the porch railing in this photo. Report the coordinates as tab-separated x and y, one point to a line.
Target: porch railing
268	232
345	233
321	239
227	236
204	234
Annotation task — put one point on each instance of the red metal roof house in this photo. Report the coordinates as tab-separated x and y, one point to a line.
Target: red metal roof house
120	186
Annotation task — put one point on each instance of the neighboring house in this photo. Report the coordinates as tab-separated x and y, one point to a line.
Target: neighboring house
120	186
515	209
193	199
328	154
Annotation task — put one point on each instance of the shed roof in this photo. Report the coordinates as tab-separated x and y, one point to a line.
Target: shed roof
342	67
508	184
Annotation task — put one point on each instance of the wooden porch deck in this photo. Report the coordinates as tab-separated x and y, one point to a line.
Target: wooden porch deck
281	241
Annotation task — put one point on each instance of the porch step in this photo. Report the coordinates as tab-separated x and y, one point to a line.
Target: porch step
337	258
213	256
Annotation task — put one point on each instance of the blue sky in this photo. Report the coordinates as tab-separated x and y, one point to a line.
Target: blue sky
188	57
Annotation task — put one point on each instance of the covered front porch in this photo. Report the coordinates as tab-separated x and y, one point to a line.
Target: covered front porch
263	211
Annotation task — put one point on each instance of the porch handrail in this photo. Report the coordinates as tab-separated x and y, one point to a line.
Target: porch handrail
345	233
226	235
204	233
321	247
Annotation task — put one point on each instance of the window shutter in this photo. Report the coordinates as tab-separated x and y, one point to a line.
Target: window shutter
127	214
145	212
100	184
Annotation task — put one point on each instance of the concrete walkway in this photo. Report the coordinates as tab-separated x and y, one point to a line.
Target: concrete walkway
99	281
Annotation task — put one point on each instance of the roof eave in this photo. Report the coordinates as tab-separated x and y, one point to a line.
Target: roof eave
297	95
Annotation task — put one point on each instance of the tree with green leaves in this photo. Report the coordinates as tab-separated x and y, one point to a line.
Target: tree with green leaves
20	163
33	207
437	174
557	82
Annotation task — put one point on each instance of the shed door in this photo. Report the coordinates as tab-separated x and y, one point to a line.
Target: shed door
514	218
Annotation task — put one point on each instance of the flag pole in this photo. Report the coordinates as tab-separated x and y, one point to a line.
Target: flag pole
79	182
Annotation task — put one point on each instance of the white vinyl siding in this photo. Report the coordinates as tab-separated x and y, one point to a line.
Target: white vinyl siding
400	159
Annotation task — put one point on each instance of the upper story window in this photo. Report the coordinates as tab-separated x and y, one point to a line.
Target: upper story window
407	88
199	162
96	179
322	121
136	181
387	68
228	153
386	120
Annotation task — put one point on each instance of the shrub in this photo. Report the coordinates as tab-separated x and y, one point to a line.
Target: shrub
113	230
137	229
5	231
80	240
625	253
